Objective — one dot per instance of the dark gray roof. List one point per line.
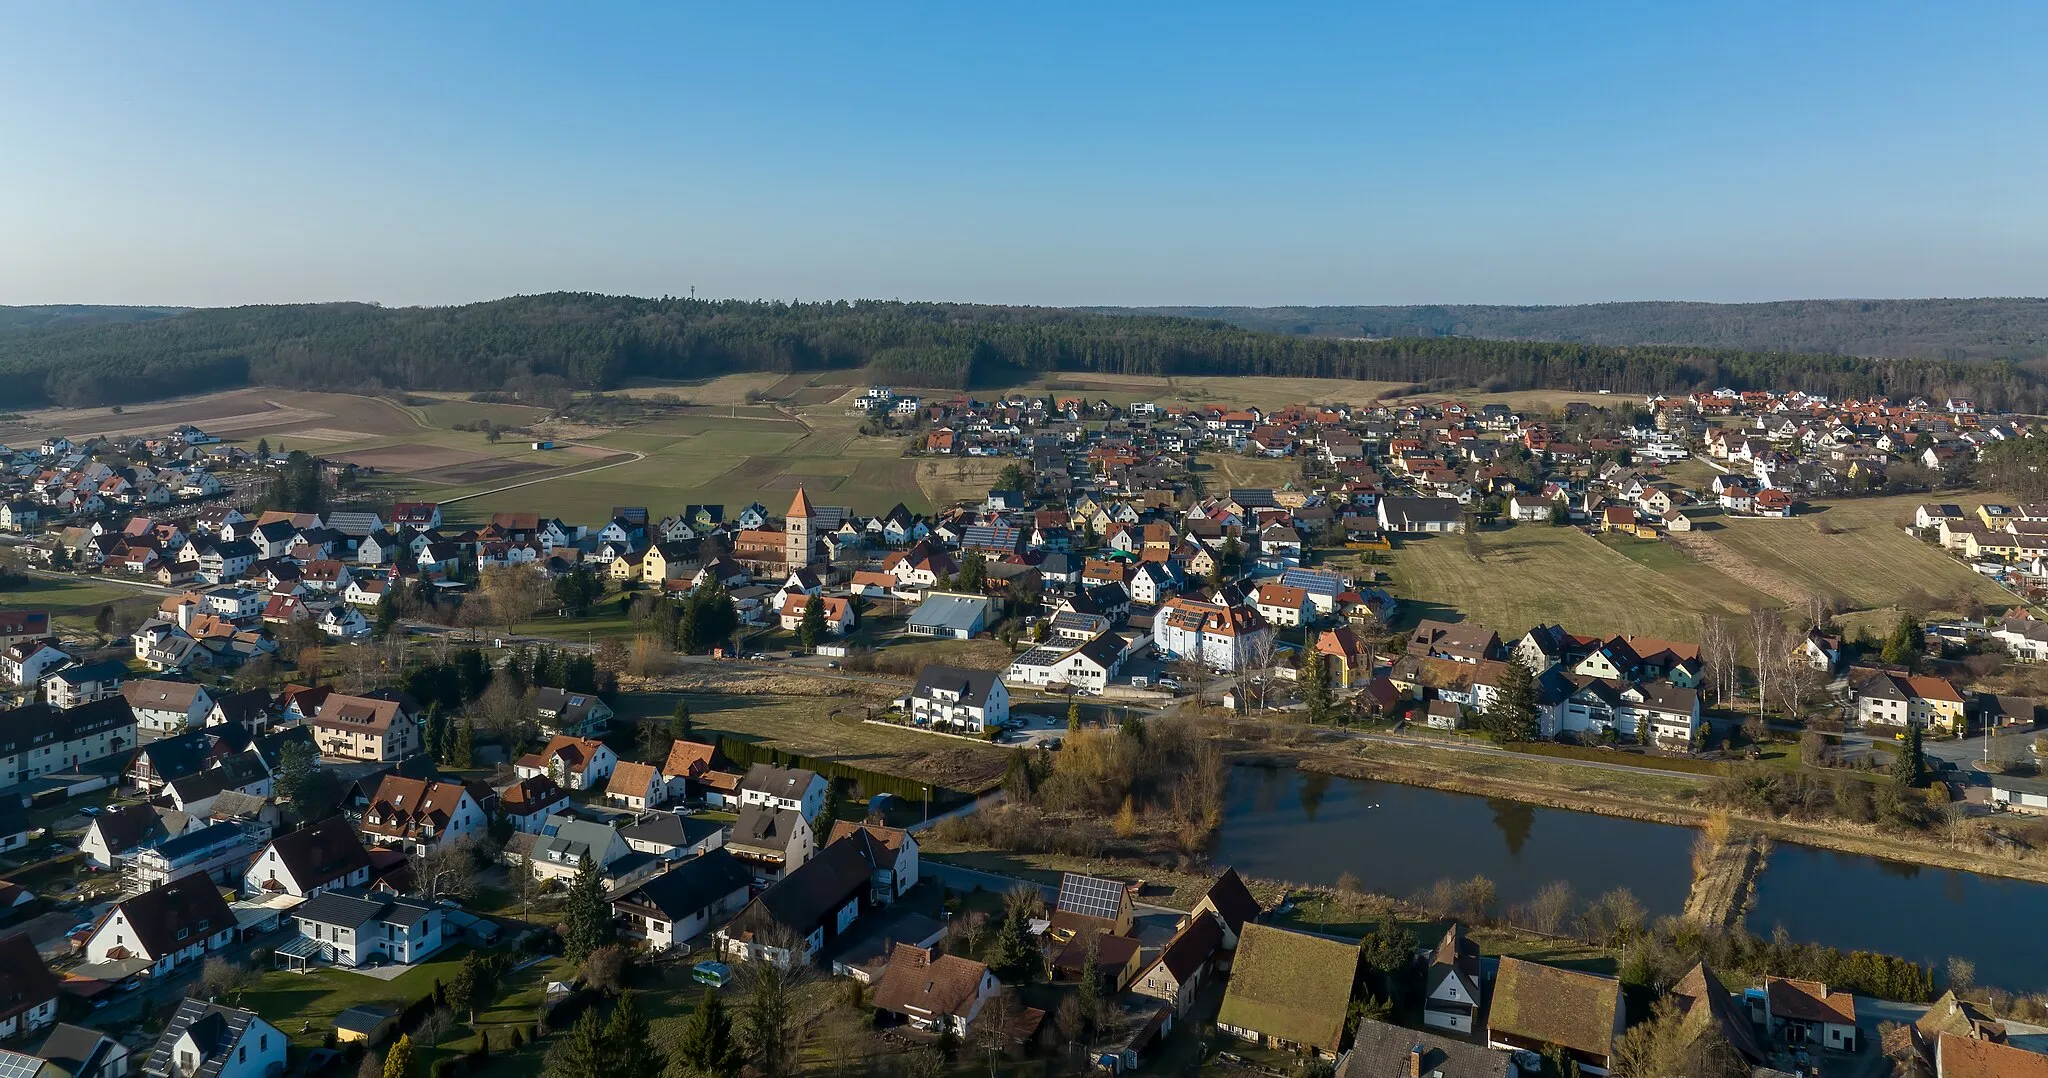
(1381, 1050)
(803, 899)
(765, 826)
(76, 1049)
(129, 826)
(198, 838)
(362, 1018)
(670, 829)
(35, 724)
(214, 1028)
(692, 886)
(778, 781)
(972, 685)
(330, 908)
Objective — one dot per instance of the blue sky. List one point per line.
(1182, 153)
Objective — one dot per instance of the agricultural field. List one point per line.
(815, 727)
(236, 415)
(1534, 573)
(1855, 551)
(1223, 471)
(1851, 551)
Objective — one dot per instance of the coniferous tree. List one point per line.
(709, 1047)
(629, 1048)
(582, 1053)
(1511, 716)
(811, 630)
(1314, 675)
(462, 747)
(588, 918)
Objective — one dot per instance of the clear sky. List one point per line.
(1088, 153)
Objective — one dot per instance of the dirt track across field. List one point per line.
(1709, 551)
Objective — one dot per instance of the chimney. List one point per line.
(1415, 1061)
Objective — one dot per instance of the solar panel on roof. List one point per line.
(17, 1065)
(1090, 896)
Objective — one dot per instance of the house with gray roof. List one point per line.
(207, 1040)
(362, 930)
(772, 840)
(955, 699)
(679, 905)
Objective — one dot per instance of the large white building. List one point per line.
(38, 739)
(1229, 638)
(954, 699)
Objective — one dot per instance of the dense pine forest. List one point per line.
(592, 341)
(2015, 329)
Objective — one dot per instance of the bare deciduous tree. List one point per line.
(1767, 638)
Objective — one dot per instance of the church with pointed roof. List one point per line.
(799, 546)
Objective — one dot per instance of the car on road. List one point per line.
(90, 810)
(833, 665)
(1169, 683)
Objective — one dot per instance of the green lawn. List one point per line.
(72, 602)
(832, 729)
(290, 1001)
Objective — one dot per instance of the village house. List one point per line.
(163, 928)
(166, 707)
(207, 1040)
(574, 763)
(1452, 991)
(635, 786)
(323, 857)
(1289, 991)
(1184, 964)
(38, 739)
(1538, 1008)
(575, 714)
(28, 990)
(567, 843)
(409, 814)
(799, 914)
(933, 991)
(772, 840)
(362, 930)
(1882, 698)
(958, 700)
(25, 663)
(383, 727)
(681, 904)
(1806, 1012)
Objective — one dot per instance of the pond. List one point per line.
(1300, 826)
(1312, 828)
(1926, 914)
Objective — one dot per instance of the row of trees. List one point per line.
(593, 342)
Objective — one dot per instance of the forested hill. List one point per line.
(591, 341)
(68, 315)
(2015, 329)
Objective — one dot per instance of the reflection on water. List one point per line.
(1515, 819)
(1398, 840)
(1313, 786)
(1926, 914)
(1294, 825)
